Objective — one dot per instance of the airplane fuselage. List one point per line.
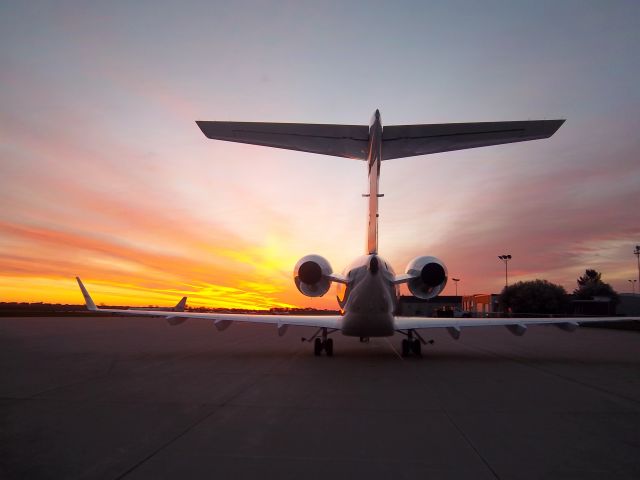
(369, 300)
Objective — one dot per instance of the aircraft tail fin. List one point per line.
(372, 222)
(374, 158)
(180, 305)
(394, 141)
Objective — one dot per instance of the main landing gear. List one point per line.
(321, 342)
(320, 345)
(413, 346)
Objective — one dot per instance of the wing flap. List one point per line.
(350, 141)
(410, 140)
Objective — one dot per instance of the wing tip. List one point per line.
(87, 298)
(201, 126)
(554, 126)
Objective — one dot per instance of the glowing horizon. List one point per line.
(105, 175)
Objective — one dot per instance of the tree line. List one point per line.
(544, 297)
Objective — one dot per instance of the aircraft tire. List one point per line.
(406, 348)
(328, 347)
(417, 347)
(317, 347)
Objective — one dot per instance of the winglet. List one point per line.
(180, 306)
(87, 298)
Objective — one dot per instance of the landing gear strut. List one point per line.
(321, 342)
(412, 345)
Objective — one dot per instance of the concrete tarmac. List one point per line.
(100, 397)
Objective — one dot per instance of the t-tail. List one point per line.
(369, 143)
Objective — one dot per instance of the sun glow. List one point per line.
(104, 173)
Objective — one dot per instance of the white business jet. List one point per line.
(368, 289)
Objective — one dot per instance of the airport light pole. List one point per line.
(456, 280)
(636, 252)
(505, 259)
(633, 286)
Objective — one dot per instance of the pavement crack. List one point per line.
(470, 443)
(393, 349)
(167, 443)
(525, 363)
(66, 385)
(209, 414)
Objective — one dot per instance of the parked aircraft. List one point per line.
(368, 289)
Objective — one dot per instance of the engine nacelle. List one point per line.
(431, 277)
(310, 275)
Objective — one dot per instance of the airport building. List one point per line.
(596, 306)
(488, 304)
(442, 305)
(481, 304)
(478, 305)
(629, 304)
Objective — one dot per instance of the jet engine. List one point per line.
(430, 277)
(311, 275)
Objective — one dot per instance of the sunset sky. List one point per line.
(104, 173)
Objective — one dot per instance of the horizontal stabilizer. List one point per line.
(350, 141)
(409, 140)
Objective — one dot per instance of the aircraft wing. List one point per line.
(410, 140)
(517, 326)
(350, 141)
(221, 320)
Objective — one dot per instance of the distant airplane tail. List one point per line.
(180, 305)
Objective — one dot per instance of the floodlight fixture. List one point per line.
(505, 258)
